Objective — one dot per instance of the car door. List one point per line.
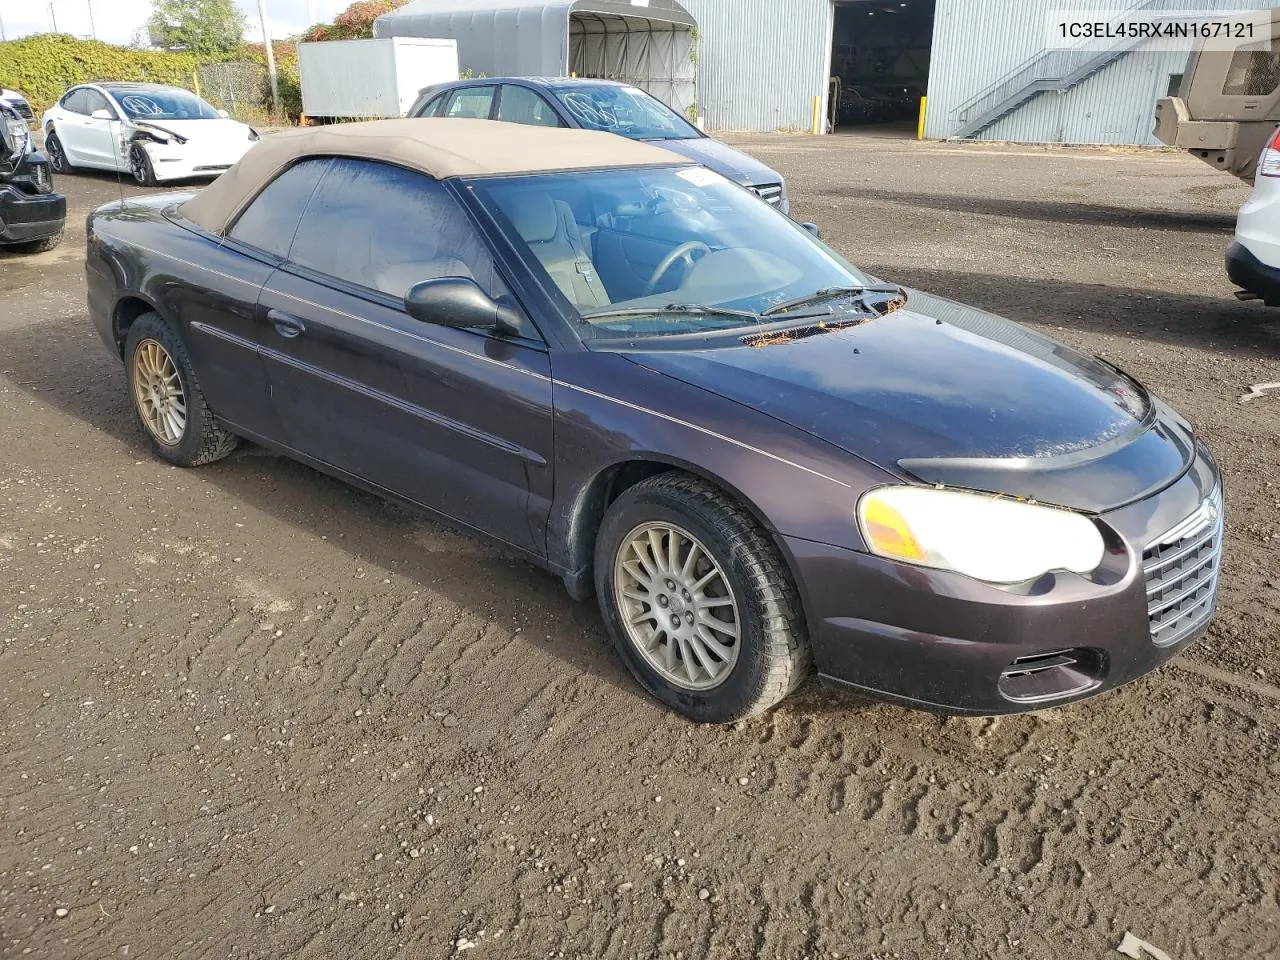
(224, 332)
(98, 137)
(517, 104)
(456, 420)
(73, 127)
(475, 102)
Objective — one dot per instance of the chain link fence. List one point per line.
(235, 87)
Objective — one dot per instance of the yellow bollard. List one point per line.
(195, 75)
(924, 102)
(817, 112)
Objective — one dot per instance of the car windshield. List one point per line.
(626, 111)
(651, 251)
(164, 104)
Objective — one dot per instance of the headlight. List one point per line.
(999, 540)
(19, 136)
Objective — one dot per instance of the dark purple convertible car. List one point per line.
(639, 375)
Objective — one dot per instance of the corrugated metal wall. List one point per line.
(977, 42)
(761, 62)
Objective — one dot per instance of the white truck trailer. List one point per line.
(343, 79)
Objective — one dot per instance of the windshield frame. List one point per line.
(509, 246)
(681, 123)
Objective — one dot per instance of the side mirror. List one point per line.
(101, 115)
(458, 302)
(812, 228)
(223, 114)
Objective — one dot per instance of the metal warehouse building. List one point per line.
(983, 64)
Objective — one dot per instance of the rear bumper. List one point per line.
(25, 217)
(950, 644)
(1249, 273)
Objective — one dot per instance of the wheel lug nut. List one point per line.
(688, 618)
(671, 585)
(675, 619)
(662, 600)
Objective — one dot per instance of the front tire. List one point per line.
(144, 174)
(167, 398)
(43, 245)
(57, 153)
(698, 603)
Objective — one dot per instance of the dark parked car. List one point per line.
(31, 214)
(626, 368)
(604, 105)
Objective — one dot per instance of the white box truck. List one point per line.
(371, 78)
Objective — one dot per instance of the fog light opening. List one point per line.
(1051, 675)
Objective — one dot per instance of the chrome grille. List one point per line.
(1181, 570)
(768, 192)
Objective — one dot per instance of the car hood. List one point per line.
(948, 394)
(724, 160)
(219, 131)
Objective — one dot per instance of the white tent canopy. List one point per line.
(648, 43)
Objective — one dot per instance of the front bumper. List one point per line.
(189, 161)
(26, 216)
(951, 644)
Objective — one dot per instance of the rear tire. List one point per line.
(43, 245)
(158, 366)
(752, 595)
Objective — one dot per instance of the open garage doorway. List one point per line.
(879, 65)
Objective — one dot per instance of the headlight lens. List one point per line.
(19, 136)
(996, 539)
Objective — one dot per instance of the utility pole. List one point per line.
(3, 38)
(92, 29)
(271, 57)
(53, 17)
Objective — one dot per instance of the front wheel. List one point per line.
(698, 603)
(140, 166)
(43, 245)
(57, 154)
(167, 398)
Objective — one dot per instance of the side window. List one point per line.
(93, 100)
(387, 229)
(75, 101)
(522, 105)
(271, 220)
(473, 102)
(432, 109)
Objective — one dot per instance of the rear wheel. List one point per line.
(167, 398)
(698, 603)
(57, 155)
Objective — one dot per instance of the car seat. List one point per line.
(548, 226)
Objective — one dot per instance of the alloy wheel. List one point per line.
(158, 393)
(677, 606)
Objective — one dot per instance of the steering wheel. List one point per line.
(683, 252)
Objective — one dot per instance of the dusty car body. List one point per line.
(763, 454)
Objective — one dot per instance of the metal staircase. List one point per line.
(1049, 70)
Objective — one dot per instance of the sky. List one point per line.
(116, 20)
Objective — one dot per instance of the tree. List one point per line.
(197, 26)
(353, 23)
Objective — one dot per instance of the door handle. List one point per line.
(286, 324)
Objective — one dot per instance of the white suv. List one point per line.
(1253, 259)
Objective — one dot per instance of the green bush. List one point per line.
(43, 66)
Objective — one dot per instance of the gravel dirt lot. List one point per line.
(249, 712)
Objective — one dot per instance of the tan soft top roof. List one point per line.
(440, 147)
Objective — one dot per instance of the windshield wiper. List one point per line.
(830, 293)
(673, 310)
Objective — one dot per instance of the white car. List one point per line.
(152, 132)
(1253, 259)
(18, 102)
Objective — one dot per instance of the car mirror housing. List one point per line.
(812, 228)
(223, 114)
(101, 115)
(457, 302)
